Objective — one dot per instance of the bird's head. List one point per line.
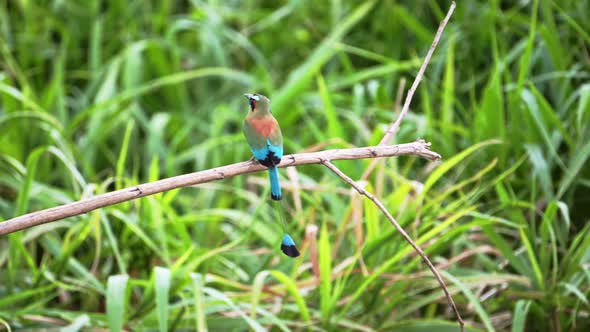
(258, 102)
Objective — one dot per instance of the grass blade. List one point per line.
(481, 312)
(302, 76)
(117, 297)
(198, 286)
(292, 289)
(325, 258)
(520, 313)
(162, 282)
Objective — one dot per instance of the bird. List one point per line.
(265, 139)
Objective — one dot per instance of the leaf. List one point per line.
(220, 296)
(576, 291)
(325, 258)
(299, 78)
(162, 287)
(117, 297)
(77, 325)
(450, 164)
(520, 312)
(334, 125)
(448, 97)
(292, 289)
(481, 312)
(257, 291)
(574, 167)
(540, 281)
(123, 154)
(199, 298)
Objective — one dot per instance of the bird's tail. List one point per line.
(275, 185)
(287, 244)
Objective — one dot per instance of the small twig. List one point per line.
(390, 133)
(419, 148)
(405, 235)
(399, 95)
(395, 127)
(396, 105)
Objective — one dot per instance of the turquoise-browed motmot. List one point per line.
(264, 136)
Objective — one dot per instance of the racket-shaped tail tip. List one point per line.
(288, 246)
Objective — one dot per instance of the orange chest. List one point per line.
(264, 126)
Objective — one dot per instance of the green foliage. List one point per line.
(99, 95)
(117, 297)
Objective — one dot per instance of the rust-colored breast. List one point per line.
(264, 126)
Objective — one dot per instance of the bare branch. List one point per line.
(395, 127)
(396, 105)
(419, 148)
(405, 235)
(391, 132)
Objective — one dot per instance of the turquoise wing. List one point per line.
(275, 142)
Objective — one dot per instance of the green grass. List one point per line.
(100, 95)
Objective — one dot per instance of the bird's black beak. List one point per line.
(251, 100)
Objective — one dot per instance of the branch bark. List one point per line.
(391, 132)
(418, 148)
(405, 235)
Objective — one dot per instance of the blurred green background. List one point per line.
(97, 95)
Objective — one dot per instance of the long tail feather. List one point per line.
(275, 185)
(287, 244)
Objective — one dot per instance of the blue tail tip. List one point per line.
(288, 246)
